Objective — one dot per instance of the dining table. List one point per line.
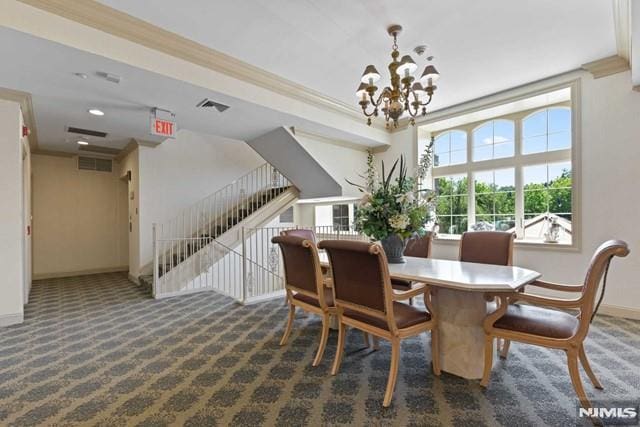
(459, 295)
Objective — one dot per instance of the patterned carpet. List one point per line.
(96, 350)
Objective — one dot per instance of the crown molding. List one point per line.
(607, 66)
(24, 99)
(53, 153)
(106, 19)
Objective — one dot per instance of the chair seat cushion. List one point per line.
(328, 297)
(539, 321)
(406, 315)
(401, 284)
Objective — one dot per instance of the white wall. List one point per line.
(11, 215)
(180, 172)
(610, 207)
(340, 162)
(79, 218)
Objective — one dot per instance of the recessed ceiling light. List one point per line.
(96, 112)
(83, 143)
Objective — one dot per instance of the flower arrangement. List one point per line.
(394, 207)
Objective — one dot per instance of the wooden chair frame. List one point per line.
(394, 335)
(324, 311)
(572, 346)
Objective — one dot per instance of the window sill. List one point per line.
(524, 244)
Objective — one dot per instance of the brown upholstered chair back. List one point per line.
(301, 263)
(419, 246)
(597, 269)
(360, 273)
(300, 232)
(487, 247)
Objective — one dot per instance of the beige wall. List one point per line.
(130, 164)
(11, 215)
(79, 218)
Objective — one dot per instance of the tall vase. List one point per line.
(393, 246)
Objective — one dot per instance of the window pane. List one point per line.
(502, 150)
(458, 140)
(547, 130)
(535, 144)
(458, 157)
(450, 148)
(493, 140)
(559, 141)
(535, 124)
(495, 199)
(547, 197)
(451, 203)
(559, 119)
(484, 152)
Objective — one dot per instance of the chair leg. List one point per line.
(505, 348)
(435, 351)
(339, 347)
(410, 301)
(287, 331)
(574, 373)
(393, 372)
(323, 339)
(365, 335)
(376, 343)
(587, 368)
(488, 360)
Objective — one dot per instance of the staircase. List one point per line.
(195, 250)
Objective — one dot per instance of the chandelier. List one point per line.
(404, 94)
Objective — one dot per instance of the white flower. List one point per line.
(405, 198)
(399, 221)
(366, 199)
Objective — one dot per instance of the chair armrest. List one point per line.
(417, 289)
(557, 286)
(546, 301)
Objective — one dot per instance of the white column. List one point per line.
(11, 216)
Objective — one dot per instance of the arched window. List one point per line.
(547, 130)
(493, 140)
(450, 148)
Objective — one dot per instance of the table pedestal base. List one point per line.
(460, 316)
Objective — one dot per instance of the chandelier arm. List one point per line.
(428, 101)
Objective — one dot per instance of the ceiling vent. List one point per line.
(89, 132)
(207, 103)
(113, 78)
(95, 164)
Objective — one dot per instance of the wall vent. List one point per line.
(207, 103)
(95, 164)
(287, 216)
(89, 132)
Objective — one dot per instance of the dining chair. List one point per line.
(488, 247)
(306, 234)
(419, 247)
(304, 285)
(541, 321)
(365, 300)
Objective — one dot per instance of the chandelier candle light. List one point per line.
(404, 94)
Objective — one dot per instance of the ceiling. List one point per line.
(480, 47)
(60, 99)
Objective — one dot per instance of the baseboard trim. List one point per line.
(133, 279)
(42, 276)
(11, 319)
(620, 311)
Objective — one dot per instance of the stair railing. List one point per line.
(219, 211)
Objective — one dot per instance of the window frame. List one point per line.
(519, 160)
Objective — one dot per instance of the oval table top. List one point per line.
(464, 276)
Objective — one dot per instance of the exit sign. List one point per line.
(161, 127)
